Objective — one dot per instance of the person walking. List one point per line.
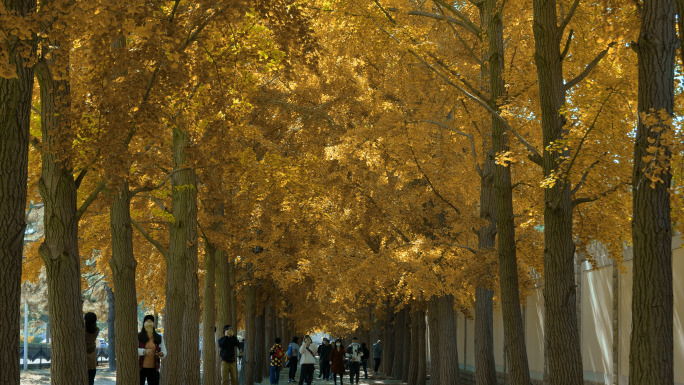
(308, 361)
(355, 355)
(151, 349)
(277, 354)
(227, 345)
(377, 354)
(337, 361)
(91, 332)
(292, 359)
(364, 359)
(324, 357)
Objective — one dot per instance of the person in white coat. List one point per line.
(308, 360)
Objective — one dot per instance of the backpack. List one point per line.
(278, 353)
(289, 351)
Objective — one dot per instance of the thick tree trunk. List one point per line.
(268, 339)
(250, 327)
(123, 265)
(209, 320)
(260, 326)
(59, 250)
(111, 329)
(398, 361)
(232, 293)
(434, 324)
(191, 321)
(508, 266)
(485, 366)
(651, 346)
(183, 230)
(15, 120)
(448, 354)
(564, 355)
(389, 339)
(222, 298)
(406, 360)
(421, 355)
(414, 342)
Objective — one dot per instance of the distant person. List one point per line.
(377, 354)
(292, 359)
(308, 361)
(91, 332)
(355, 355)
(337, 361)
(227, 345)
(151, 349)
(277, 354)
(364, 359)
(241, 350)
(324, 357)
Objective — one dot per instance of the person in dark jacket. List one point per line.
(151, 349)
(292, 359)
(337, 361)
(364, 359)
(324, 358)
(377, 355)
(227, 344)
(277, 354)
(91, 332)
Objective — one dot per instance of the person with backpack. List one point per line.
(308, 360)
(364, 359)
(337, 361)
(292, 359)
(324, 357)
(355, 355)
(277, 354)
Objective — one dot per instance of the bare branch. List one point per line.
(567, 45)
(442, 17)
(584, 178)
(578, 201)
(384, 11)
(149, 238)
(477, 30)
(588, 68)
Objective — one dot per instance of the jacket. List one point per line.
(293, 350)
(228, 345)
(276, 361)
(355, 353)
(337, 359)
(377, 351)
(159, 347)
(307, 355)
(91, 348)
(324, 352)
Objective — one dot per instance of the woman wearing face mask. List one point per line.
(337, 360)
(151, 349)
(91, 332)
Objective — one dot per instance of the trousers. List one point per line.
(229, 369)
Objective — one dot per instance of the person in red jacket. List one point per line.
(151, 349)
(337, 360)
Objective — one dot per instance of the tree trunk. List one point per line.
(413, 359)
(508, 266)
(232, 295)
(399, 329)
(123, 265)
(389, 342)
(184, 205)
(111, 330)
(564, 355)
(248, 358)
(259, 341)
(59, 249)
(268, 339)
(434, 325)
(15, 120)
(209, 320)
(485, 366)
(448, 354)
(421, 357)
(406, 360)
(191, 321)
(222, 298)
(651, 345)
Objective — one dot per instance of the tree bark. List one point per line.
(485, 366)
(564, 355)
(508, 266)
(15, 121)
(448, 353)
(209, 320)
(399, 330)
(111, 330)
(422, 344)
(123, 265)
(406, 359)
(651, 356)
(191, 321)
(59, 249)
(268, 339)
(259, 341)
(389, 342)
(222, 298)
(248, 358)
(434, 325)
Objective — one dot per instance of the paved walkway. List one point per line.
(103, 377)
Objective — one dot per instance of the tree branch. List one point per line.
(153, 241)
(469, 136)
(567, 45)
(578, 201)
(474, 28)
(442, 17)
(583, 179)
(588, 68)
(568, 17)
(91, 198)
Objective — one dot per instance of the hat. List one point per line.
(148, 317)
(226, 327)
